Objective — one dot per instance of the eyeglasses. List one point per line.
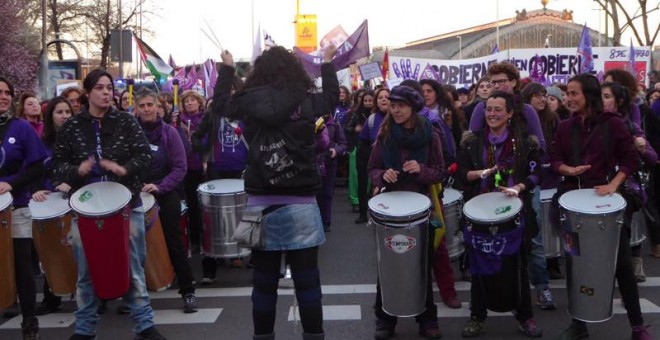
(499, 81)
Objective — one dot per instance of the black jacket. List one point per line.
(280, 130)
(122, 141)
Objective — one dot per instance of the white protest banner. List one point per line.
(370, 71)
(558, 65)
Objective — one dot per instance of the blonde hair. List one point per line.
(195, 95)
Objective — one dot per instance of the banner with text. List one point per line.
(556, 65)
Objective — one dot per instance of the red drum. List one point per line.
(184, 229)
(7, 274)
(51, 227)
(158, 269)
(104, 225)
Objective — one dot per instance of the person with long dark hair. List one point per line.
(280, 109)
(102, 143)
(407, 156)
(59, 110)
(23, 156)
(595, 167)
(493, 160)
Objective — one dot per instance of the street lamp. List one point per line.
(460, 47)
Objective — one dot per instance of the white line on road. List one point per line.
(337, 312)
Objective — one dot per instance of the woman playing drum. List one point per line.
(281, 180)
(168, 168)
(579, 152)
(58, 111)
(21, 165)
(407, 156)
(501, 158)
(103, 144)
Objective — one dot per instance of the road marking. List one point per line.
(647, 306)
(177, 316)
(336, 312)
(53, 320)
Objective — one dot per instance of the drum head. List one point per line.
(450, 196)
(5, 201)
(399, 204)
(221, 187)
(587, 201)
(148, 201)
(100, 199)
(55, 205)
(547, 194)
(492, 207)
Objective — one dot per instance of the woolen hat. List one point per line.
(407, 95)
(555, 92)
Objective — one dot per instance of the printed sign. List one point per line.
(370, 71)
(400, 244)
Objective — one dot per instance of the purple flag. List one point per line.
(354, 48)
(584, 50)
(180, 75)
(631, 60)
(191, 79)
(496, 49)
(214, 73)
(171, 62)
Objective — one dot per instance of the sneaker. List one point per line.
(30, 328)
(431, 333)
(576, 331)
(207, 281)
(452, 303)
(641, 333)
(77, 336)
(544, 300)
(530, 329)
(123, 309)
(189, 303)
(150, 333)
(361, 219)
(473, 328)
(384, 330)
(47, 308)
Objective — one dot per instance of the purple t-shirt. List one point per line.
(20, 147)
(477, 121)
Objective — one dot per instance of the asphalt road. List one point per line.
(348, 276)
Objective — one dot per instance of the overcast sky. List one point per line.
(179, 23)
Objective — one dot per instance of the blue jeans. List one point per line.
(136, 298)
(538, 272)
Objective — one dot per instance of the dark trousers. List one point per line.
(305, 275)
(512, 266)
(25, 282)
(190, 183)
(324, 197)
(170, 217)
(625, 275)
(429, 318)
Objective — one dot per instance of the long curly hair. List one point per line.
(280, 69)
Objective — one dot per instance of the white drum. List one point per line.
(401, 220)
(492, 208)
(452, 202)
(591, 228)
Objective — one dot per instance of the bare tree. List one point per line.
(636, 15)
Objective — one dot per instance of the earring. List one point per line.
(509, 122)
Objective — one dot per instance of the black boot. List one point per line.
(309, 336)
(30, 326)
(270, 336)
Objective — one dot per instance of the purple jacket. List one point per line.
(621, 150)
(194, 159)
(477, 121)
(337, 138)
(431, 172)
(370, 133)
(168, 163)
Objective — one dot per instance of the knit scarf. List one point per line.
(500, 150)
(416, 142)
(5, 117)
